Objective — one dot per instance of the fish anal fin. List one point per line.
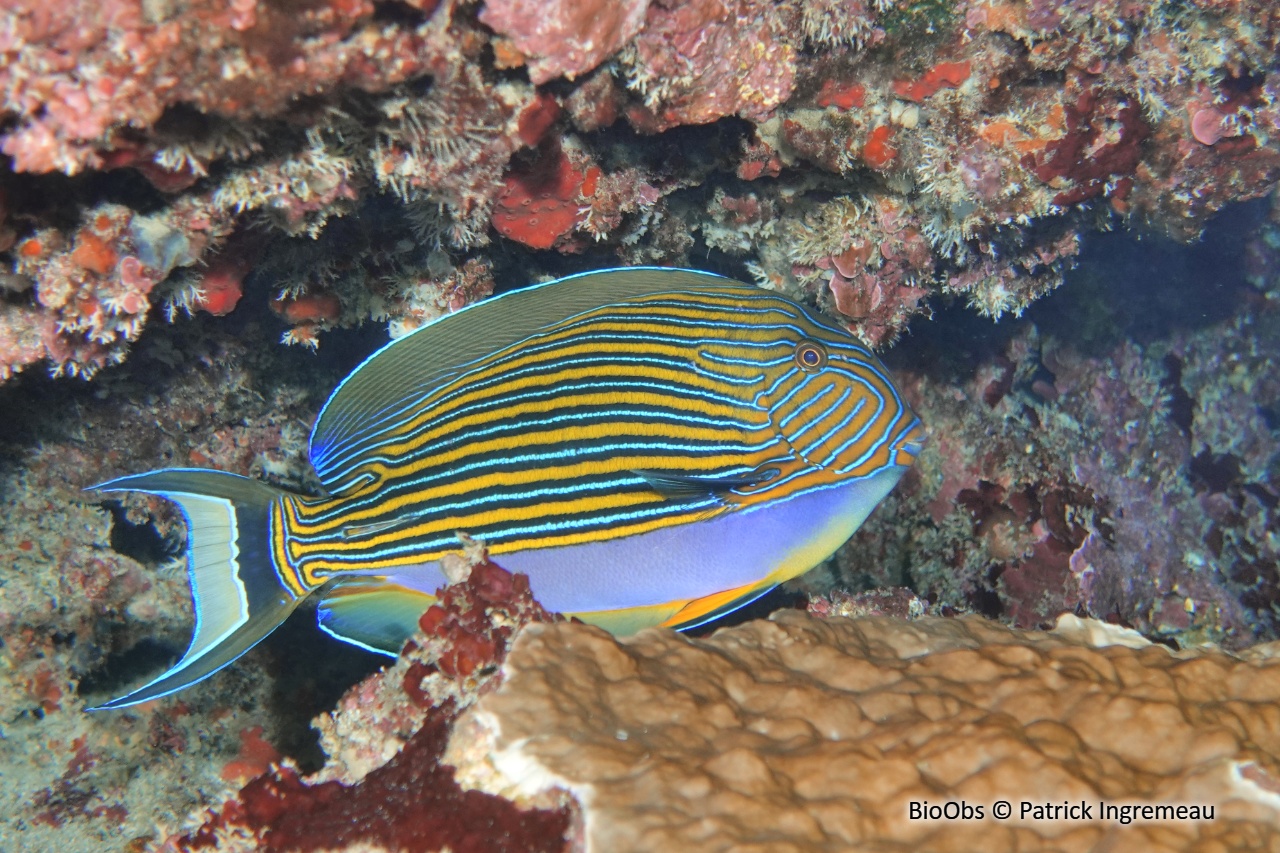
(700, 611)
(627, 621)
(378, 617)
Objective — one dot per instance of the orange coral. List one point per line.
(536, 119)
(93, 253)
(221, 287)
(255, 758)
(309, 308)
(540, 205)
(948, 74)
(877, 152)
(842, 95)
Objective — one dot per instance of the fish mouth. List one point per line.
(909, 445)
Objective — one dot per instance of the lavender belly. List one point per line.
(706, 557)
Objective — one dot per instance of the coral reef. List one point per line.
(1070, 467)
(698, 62)
(804, 734)
(899, 153)
(76, 104)
(95, 595)
(408, 804)
(1135, 482)
(92, 289)
(385, 742)
(565, 38)
(185, 185)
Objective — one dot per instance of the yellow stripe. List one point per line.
(284, 566)
(537, 407)
(698, 608)
(312, 566)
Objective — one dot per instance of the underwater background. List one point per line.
(1057, 223)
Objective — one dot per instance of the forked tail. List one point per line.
(238, 592)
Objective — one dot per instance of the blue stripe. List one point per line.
(813, 422)
(349, 506)
(366, 449)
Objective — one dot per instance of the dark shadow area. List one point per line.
(122, 669)
(1144, 287)
(141, 542)
(310, 671)
(1127, 285)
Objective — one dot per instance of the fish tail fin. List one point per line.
(239, 593)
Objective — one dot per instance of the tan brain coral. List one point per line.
(800, 733)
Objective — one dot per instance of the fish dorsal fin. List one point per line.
(394, 380)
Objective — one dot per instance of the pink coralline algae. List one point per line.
(568, 37)
(75, 97)
(93, 286)
(411, 803)
(701, 61)
(1002, 129)
(871, 281)
(1101, 148)
(1208, 125)
(386, 741)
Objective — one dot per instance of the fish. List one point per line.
(651, 446)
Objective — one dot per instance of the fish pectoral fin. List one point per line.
(700, 611)
(682, 487)
(376, 616)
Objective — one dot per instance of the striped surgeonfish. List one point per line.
(650, 446)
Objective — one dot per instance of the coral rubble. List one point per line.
(804, 734)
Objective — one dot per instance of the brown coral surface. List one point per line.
(803, 734)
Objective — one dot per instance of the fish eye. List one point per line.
(810, 356)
